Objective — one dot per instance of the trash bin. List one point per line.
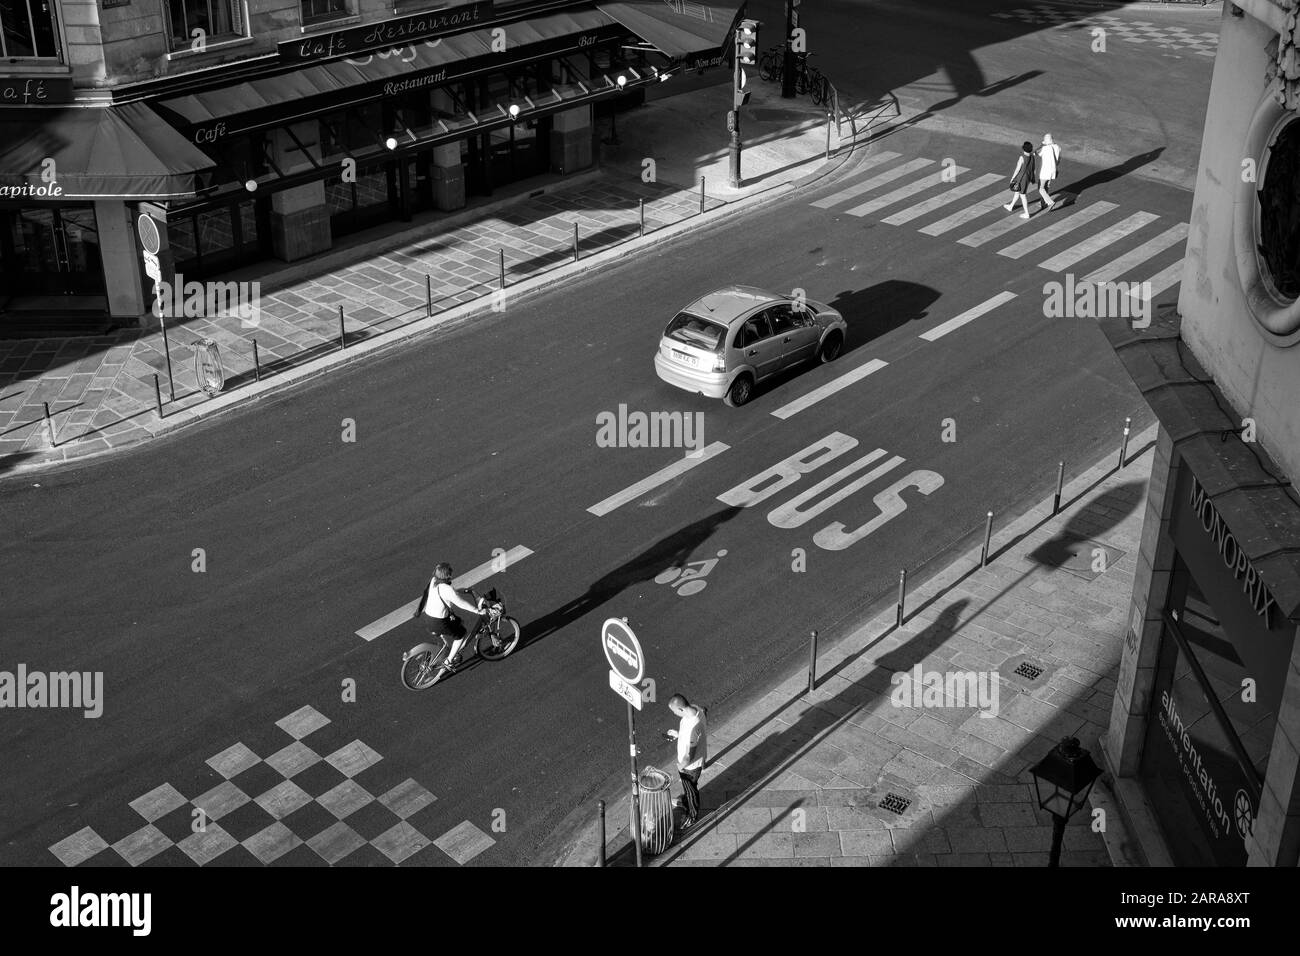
(656, 796)
(209, 374)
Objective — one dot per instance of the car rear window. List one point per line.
(697, 331)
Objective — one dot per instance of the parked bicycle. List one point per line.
(807, 79)
(496, 636)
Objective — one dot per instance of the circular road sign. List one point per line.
(622, 650)
(148, 230)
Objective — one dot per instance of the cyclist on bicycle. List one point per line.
(440, 598)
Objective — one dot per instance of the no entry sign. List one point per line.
(622, 650)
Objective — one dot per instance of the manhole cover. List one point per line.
(1086, 558)
(1028, 671)
(895, 804)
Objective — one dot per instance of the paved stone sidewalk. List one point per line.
(799, 778)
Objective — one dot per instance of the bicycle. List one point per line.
(802, 72)
(426, 663)
(772, 63)
(819, 86)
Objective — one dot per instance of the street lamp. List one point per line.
(391, 143)
(514, 110)
(1063, 779)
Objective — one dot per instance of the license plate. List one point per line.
(685, 359)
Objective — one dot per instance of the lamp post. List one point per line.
(1063, 779)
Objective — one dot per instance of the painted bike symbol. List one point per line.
(688, 580)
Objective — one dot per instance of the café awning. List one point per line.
(122, 152)
(677, 29)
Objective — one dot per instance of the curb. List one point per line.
(421, 328)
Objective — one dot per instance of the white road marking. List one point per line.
(662, 476)
(1057, 229)
(1161, 281)
(903, 192)
(857, 189)
(1010, 220)
(950, 195)
(869, 162)
(467, 580)
(939, 331)
(1095, 244)
(1135, 257)
(963, 216)
(830, 388)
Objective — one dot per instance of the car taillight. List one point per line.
(719, 363)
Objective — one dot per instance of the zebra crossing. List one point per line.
(912, 192)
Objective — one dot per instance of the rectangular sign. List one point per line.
(400, 31)
(627, 691)
(35, 90)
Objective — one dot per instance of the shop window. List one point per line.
(218, 19)
(1279, 213)
(27, 29)
(318, 11)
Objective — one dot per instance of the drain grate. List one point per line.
(1028, 671)
(895, 804)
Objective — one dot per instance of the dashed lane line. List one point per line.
(660, 477)
(830, 388)
(970, 315)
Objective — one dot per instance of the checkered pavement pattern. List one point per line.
(1157, 36)
(298, 806)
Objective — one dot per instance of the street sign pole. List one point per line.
(636, 789)
(735, 128)
(787, 55)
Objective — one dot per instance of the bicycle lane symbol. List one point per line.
(689, 579)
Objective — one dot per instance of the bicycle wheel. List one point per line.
(506, 634)
(821, 90)
(801, 79)
(765, 66)
(424, 669)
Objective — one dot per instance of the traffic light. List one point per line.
(740, 95)
(747, 41)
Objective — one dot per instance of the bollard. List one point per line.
(902, 596)
(988, 535)
(157, 392)
(812, 662)
(257, 363)
(49, 424)
(342, 335)
(1060, 484)
(575, 241)
(641, 204)
(601, 857)
(701, 195)
(428, 294)
(503, 268)
(828, 134)
(167, 350)
(1123, 448)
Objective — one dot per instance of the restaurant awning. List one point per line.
(679, 29)
(122, 152)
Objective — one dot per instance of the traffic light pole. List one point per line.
(636, 786)
(735, 117)
(787, 66)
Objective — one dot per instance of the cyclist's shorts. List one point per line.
(450, 626)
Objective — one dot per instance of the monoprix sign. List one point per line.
(622, 650)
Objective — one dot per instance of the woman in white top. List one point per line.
(439, 599)
(1049, 155)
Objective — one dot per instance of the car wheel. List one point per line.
(831, 347)
(742, 389)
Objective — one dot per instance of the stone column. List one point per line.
(119, 251)
(571, 140)
(300, 220)
(1275, 838)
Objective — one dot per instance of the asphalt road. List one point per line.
(484, 438)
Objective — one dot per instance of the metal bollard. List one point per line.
(641, 204)
(343, 342)
(600, 860)
(49, 424)
(157, 392)
(1060, 484)
(988, 535)
(828, 134)
(167, 350)
(428, 294)
(257, 363)
(812, 662)
(1123, 448)
(701, 195)
(575, 241)
(902, 596)
(503, 268)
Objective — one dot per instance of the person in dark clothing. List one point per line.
(1023, 179)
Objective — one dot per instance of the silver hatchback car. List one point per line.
(726, 342)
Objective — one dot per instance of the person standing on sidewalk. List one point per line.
(1049, 158)
(692, 751)
(1022, 179)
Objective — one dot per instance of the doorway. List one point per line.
(51, 256)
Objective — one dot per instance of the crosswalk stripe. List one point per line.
(470, 578)
(662, 476)
(1162, 280)
(1135, 257)
(902, 192)
(1010, 220)
(1094, 244)
(871, 161)
(830, 388)
(970, 315)
(963, 216)
(888, 176)
(1057, 229)
(950, 195)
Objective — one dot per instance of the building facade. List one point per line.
(1204, 738)
(251, 131)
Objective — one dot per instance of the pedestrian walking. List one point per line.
(1049, 165)
(692, 752)
(1022, 179)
